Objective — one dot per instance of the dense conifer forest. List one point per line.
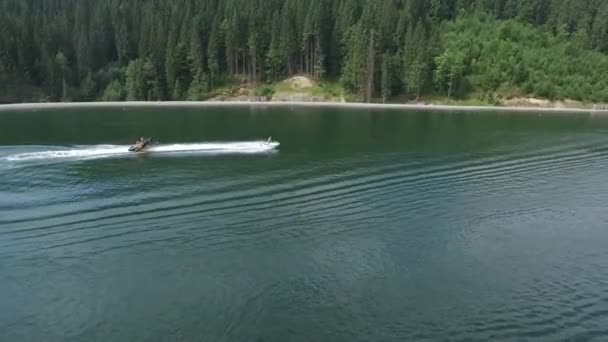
(85, 50)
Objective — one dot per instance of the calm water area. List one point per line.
(363, 225)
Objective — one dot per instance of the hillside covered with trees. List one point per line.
(84, 50)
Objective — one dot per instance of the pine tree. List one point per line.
(199, 87)
(82, 49)
(254, 42)
(82, 53)
(230, 28)
(599, 29)
(450, 68)
(88, 88)
(416, 62)
(178, 90)
(353, 73)
(196, 54)
(81, 39)
(113, 92)
(274, 58)
(213, 54)
(387, 77)
(61, 67)
(134, 81)
(121, 38)
(151, 90)
(288, 39)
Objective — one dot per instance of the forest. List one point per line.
(377, 50)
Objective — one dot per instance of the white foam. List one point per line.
(230, 147)
(105, 151)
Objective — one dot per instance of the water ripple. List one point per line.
(398, 242)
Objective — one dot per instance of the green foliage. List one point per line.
(492, 53)
(199, 87)
(156, 50)
(140, 80)
(114, 92)
(328, 90)
(264, 91)
(213, 59)
(179, 90)
(88, 88)
(354, 62)
(450, 66)
(135, 83)
(288, 40)
(416, 60)
(274, 57)
(389, 71)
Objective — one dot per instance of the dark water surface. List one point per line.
(365, 225)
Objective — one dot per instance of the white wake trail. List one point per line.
(106, 151)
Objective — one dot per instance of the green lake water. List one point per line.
(364, 225)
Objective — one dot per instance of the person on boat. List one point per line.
(138, 145)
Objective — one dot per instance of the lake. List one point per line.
(364, 225)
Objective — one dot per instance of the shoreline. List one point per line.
(355, 105)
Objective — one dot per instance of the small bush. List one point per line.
(264, 91)
(328, 90)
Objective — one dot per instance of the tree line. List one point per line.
(182, 49)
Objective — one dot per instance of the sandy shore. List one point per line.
(427, 107)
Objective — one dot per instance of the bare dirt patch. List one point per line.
(299, 82)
